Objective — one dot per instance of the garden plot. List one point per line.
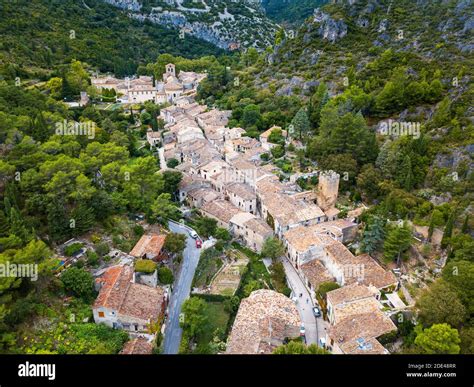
(227, 279)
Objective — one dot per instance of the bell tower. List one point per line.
(328, 189)
(170, 70)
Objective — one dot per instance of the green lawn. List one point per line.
(217, 317)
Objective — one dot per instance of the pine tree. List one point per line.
(58, 224)
(17, 225)
(301, 123)
(84, 219)
(398, 240)
(373, 236)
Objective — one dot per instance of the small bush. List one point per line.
(102, 249)
(172, 163)
(145, 266)
(72, 249)
(165, 275)
(92, 258)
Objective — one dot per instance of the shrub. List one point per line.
(95, 238)
(102, 248)
(79, 282)
(145, 266)
(138, 230)
(72, 249)
(165, 275)
(92, 258)
(172, 163)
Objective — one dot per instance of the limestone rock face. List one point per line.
(221, 22)
(329, 28)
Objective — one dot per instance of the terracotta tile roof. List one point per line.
(259, 227)
(241, 164)
(112, 282)
(137, 346)
(220, 209)
(242, 190)
(340, 253)
(349, 293)
(354, 307)
(333, 228)
(361, 346)
(119, 293)
(205, 194)
(357, 334)
(189, 182)
(143, 302)
(149, 245)
(303, 238)
(246, 142)
(316, 273)
(288, 210)
(262, 323)
(371, 273)
(241, 218)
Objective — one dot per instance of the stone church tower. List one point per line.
(327, 191)
(170, 71)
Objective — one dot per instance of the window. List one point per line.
(101, 314)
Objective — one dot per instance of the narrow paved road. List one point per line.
(315, 327)
(181, 291)
(161, 155)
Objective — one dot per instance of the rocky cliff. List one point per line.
(228, 24)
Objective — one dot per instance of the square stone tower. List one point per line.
(170, 71)
(328, 189)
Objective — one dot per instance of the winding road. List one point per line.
(181, 290)
(315, 327)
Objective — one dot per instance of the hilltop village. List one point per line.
(224, 179)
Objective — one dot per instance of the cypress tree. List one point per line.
(465, 225)
(431, 228)
(448, 231)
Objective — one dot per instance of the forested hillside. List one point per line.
(291, 12)
(38, 35)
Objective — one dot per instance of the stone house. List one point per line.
(149, 246)
(242, 196)
(264, 321)
(251, 230)
(124, 304)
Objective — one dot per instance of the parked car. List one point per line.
(316, 311)
(193, 234)
(198, 243)
(302, 330)
(322, 342)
